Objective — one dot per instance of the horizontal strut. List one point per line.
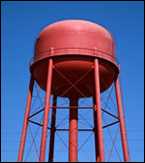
(64, 129)
(83, 107)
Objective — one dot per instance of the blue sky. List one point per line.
(21, 24)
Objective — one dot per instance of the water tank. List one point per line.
(73, 45)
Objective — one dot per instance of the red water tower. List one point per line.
(78, 58)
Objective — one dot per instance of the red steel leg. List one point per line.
(25, 123)
(98, 112)
(46, 111)
(122, 121)
(73, 132)
(96, 137)
(52, 131)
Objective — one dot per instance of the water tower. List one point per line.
(77, 57)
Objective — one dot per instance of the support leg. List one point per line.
(25, 123)
(98, 111)
(46, 111)
(52, 131)
(122, 121)
(96, 137)
(73, 131)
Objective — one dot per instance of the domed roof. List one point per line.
(74, 37)
(76, 25)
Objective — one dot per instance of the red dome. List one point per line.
(74, 37)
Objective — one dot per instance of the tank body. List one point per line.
(73, 45)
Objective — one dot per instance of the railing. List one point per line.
(92, 51)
